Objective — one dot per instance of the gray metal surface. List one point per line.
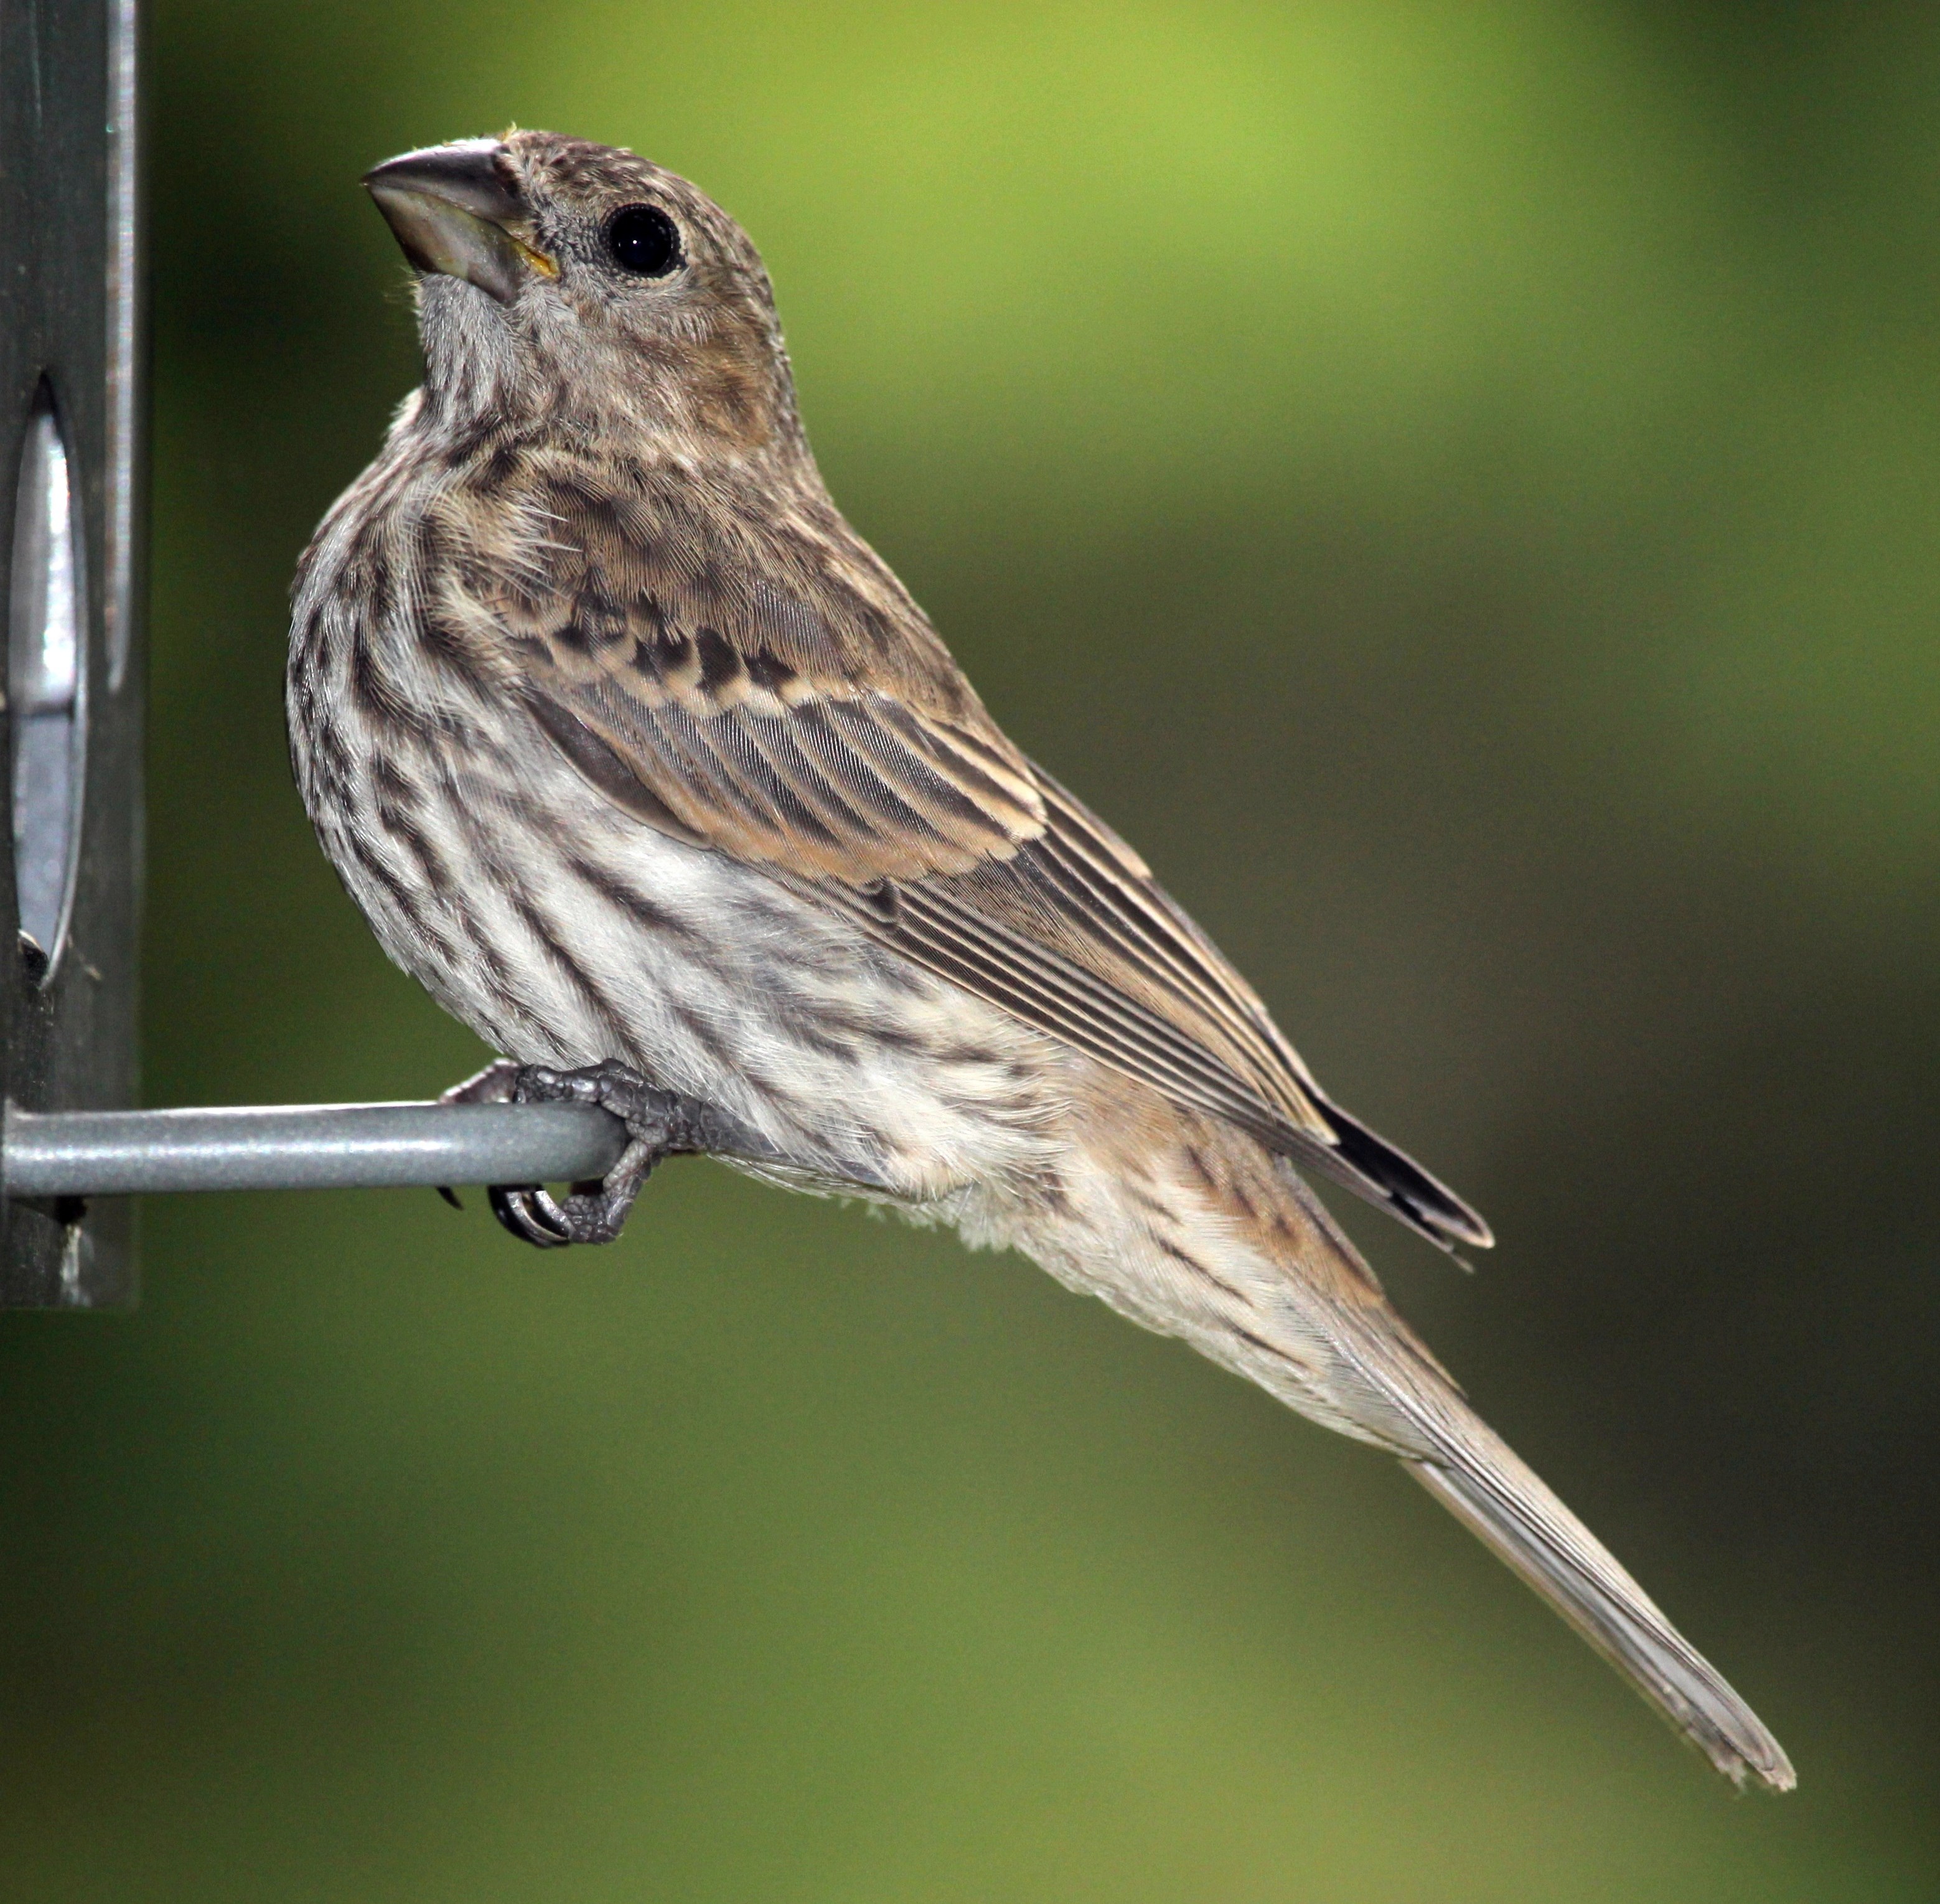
(72, 411)
(306, 1147)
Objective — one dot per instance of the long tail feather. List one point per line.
(1487, 1486)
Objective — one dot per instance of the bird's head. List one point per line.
(581, 285)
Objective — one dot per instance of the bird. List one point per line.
(634, 753)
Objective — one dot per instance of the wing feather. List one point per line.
(793, 709)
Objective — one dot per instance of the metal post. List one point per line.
(71, 522)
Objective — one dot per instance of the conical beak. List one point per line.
(457, 210)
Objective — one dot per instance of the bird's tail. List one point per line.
(1246, 1264)
(1481, 1480)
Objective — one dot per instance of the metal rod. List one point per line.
(304, 1147)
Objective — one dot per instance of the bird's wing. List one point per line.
(796, 712)
(1071, 933)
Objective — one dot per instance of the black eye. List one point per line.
(643, 240)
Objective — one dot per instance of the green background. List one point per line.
(1459, 486)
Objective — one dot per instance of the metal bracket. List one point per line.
(71, 488)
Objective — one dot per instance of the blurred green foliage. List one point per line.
(1458, 484)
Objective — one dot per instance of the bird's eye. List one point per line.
(643, 240)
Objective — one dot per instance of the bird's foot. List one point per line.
(659, 1124)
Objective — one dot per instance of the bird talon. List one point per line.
(497, 1084)
(530, 1215)
(659, 1124)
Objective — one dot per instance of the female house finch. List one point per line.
(633, 752)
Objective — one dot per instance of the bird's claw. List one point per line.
(528, 1212)
(659, 1124)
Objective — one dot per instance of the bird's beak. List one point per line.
(457, 209)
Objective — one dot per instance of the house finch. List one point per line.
(633, 752)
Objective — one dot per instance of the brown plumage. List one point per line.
(635, 752)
